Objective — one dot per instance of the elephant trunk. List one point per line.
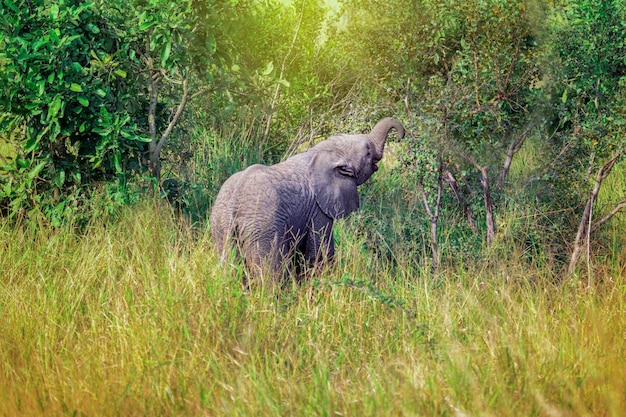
(379, 133)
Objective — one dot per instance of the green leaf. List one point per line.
(11, 6)
(120, 73)
(268, 69)
(76, 88)
(55, 130)
(35, 171)
(116, 161)
(564, 96)
(77, 67)
(165, 53)
(146, 25)
(6, 191)
(60, 178)
(143, 138)
(101, 93)
(211, 45)
(54, 35)
(40, 42)
(93, 28)
(83, 100)
(54, 12)
(53, 108)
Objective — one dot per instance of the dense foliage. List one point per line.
(514, 109)
(65, 85)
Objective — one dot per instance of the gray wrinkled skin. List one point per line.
(270, 214)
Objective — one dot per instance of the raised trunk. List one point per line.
(379, 133)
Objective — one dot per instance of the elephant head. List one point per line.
(343, 162)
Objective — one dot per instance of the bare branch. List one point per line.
(514, 148)
(407, 105)
(608, 217)
(605, 170)
(425, 201)
(199, 93)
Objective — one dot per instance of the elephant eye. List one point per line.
(347, 170)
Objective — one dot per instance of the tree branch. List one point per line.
(513, 149)
(179, 111)
(199, 93)
(608, 217)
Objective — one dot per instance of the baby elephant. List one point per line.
(282, 216)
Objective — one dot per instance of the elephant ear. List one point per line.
(333, 182)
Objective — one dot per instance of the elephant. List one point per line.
(281, 216)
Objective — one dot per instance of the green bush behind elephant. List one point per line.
(274, 214)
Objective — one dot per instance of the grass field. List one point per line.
(136, 318)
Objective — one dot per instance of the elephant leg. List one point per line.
(320, 247)
(268, 259)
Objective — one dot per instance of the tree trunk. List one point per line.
(584, 227)
(156, 142)
(153, 92)
(155, 154)
(466, 208)
(433, 216)
(491, 227)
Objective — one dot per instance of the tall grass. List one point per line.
(137, 318)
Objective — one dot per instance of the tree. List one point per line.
(491, 92)
(64, 81)
(465, 72)
(587, 86)
(173, 49)
(97, 88)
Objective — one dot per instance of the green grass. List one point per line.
(137, 318)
